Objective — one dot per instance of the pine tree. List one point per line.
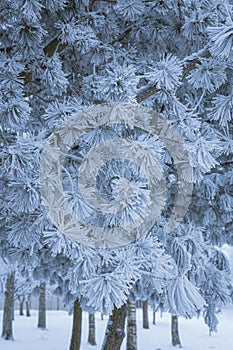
(145, 314)
(42, 306)
(21, 305)
(91, 329)
(175, 331)
(77, 327)
(7, 324)
(58, 58)
(115, 332)
(131, 326)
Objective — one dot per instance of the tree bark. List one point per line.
(115, 331)
(131, 326)
(13, 310)
(21, 307)
(42, 306)
(154, 316)
(175, 331)
(77, 327)
(28, 313)
(7, 330)
(145, 314)
(58, 303)
(91, 333)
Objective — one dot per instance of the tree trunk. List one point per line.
(7, 329)
(13, 310)
(175, 331)
(115, 331)
(77, 327)
(58, 303)
(131, 326)
(91, 335)
(28, 313)
(154, 315)
(145, 314)
(102, 316)
(42, 306)
(21, 307)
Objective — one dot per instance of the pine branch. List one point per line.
(54, 46)
(151, 90)
(122, 36)
(146, 93)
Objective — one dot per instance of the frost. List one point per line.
(166, 73)
(222, 41)
(130, 9)
(61, 59)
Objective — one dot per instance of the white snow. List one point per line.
(193, 333)
(228, 250)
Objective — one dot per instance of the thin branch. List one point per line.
(151, 90)
(146, 93)
(122, 36)
(54, 46)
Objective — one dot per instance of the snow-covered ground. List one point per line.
(193, 333)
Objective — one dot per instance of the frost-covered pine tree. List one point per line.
(60, 57)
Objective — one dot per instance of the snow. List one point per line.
(193, 333)
(228, 250)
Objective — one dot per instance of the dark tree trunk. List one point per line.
(154, 315)
(145, 314)
(115, 331)
(7, 329)
(131, 326)
(42, 306)
(102, 316)
(21, 307)
(28, 313)
(13, 311)
(58, 303)
(91, 333)
(77, 327)
(175, 331)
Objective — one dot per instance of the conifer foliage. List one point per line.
(58, 58)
